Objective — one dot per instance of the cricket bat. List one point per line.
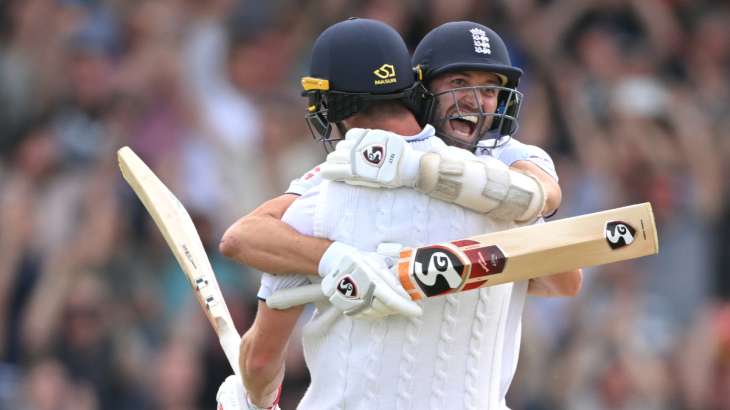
(181, 236)
(516, 254)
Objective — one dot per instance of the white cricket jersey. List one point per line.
(468, 344)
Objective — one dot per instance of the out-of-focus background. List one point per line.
(630, 97)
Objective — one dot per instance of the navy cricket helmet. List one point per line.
(468, 46)
(354, 63)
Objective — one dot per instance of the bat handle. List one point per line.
(286, 298)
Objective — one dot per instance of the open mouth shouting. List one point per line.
(463, 127)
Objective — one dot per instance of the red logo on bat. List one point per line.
(441, 269)
(485, 260)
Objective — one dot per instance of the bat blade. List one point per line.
(529, 252)
(516, 254)
(179, 232)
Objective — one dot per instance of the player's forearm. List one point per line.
(262, 352)
(249, 241)
(560, 284)
(261, 375)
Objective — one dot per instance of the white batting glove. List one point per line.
(232, 396)
(361, 284)
(373, 158)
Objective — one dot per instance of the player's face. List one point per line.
(461, 98)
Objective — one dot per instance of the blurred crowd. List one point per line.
(630, 97)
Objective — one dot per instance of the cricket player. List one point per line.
(468, 343)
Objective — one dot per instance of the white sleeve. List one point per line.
(271, 283)
(299, 216)
(304, 183)
(532, 153)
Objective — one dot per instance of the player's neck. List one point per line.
(399, 124)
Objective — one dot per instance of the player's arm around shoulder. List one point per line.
(560, 284)
(553, 193)
(282, 249)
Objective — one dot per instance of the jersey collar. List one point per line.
(426, 133)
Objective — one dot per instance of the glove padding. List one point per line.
(361, 284)
(373, 158)
(232, 396)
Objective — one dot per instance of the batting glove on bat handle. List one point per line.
(361, 284)
(301, 295)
